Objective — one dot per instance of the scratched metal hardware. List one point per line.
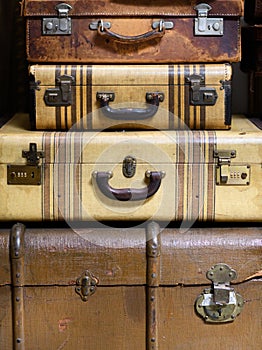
(230, 174)
(205, 25)
(29, 174)
(158, 24)
(61, 95)
(201, 95)
(220, 303)
(86, 285)
(129, 166)
(60, 25)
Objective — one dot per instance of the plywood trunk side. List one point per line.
(5, 272)
(187, 254)
(181, 329)
(6, 329)
(113, 318)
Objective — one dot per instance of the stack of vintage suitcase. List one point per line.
(252, 54)
(137, 195)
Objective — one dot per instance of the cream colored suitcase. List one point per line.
(131, 96)
(136, 175)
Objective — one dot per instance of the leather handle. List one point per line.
(136, 39)
(152, 98)
(128, 194)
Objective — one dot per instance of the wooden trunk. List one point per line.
(170, 175)
(124, 32)
(129, 288)
(131, 96)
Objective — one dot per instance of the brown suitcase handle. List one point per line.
(128, 194)
(125, 39)
(152, 98)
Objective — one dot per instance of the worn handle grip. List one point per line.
(126, 39)
(128, 194)
(152, 98)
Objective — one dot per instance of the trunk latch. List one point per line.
(61, 95)
(200, 95)
(29, 174)
(60, 25)
(205, 25)
(220, 303)
(230, 174)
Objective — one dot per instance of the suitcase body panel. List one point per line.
(178, 109)
(129, 20)
(192, 188)
(120, 309)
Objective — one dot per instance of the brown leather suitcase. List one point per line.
(253, 11)
(130, 288)
(119, 176)
(131, 96)
(130, 32)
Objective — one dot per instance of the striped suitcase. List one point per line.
(135, 176)
(131, 96)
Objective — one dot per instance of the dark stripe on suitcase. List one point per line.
(89, 121)
(73, 92)
(171, 105)
(186, 97)
(203, 108)
(58, 109)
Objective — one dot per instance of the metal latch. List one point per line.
(205, 25)
(220, 303)
(86, 285)
(29, 174)
(158, 24)
(230, 174)
(200, 95)
(61, 25)
(61, 95)
(129, 166)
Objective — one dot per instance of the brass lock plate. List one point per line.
(23, 175)
(220, 303)
(235, 175)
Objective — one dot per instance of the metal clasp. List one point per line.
(200, 95)
(29, 174)
(207, 26)
(220, 303)
(62, 94)
(86, 285)
(129, 166)
(61, 25)
(230, 174)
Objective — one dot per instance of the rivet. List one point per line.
(152, 298)
(153, 275)
(153, 340)
(18, 340)
(17, 275)
(17, 299)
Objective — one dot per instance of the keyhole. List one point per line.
(32, 175)
(219, 312)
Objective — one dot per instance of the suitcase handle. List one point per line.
(152, 98)
(157, 32)
(128, 194)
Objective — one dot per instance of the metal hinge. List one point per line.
(29, 174)
(62, 94)
(205, 25)
(61, 25)
(230, 174)
(200, 95)
(220, 303)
